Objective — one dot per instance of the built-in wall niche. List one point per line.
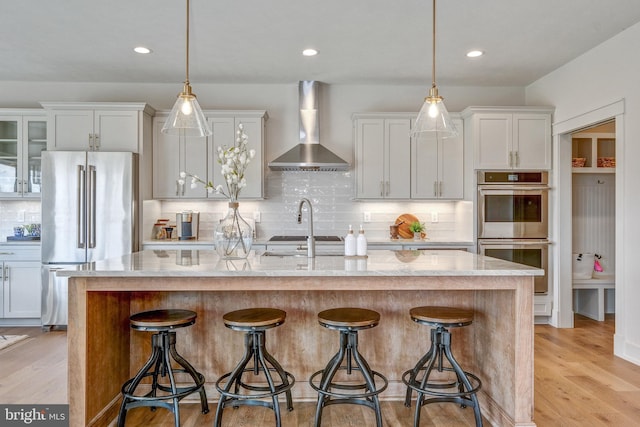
(594, 149)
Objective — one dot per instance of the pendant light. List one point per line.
(186, 117)
(433, 116)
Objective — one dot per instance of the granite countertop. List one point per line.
(206, 263)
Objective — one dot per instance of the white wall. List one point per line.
(604, 75)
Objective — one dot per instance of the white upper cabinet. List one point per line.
(510, 138)
(23, 134)
(198, 156)
(173, 154)
(96, 126)
(223, 127)
(383, 155)
(437, 166)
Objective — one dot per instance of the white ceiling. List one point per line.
(259, 41)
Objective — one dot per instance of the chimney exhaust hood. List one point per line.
(309, 154)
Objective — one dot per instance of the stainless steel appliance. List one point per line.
(531, 252)
(89, 207)
(513, 205)
(513, 219)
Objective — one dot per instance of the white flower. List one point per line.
(181, 181)
(233, 161)
(183, 174)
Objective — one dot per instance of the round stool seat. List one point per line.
(441, 316)
(158, 320)
(252, 318)
(348, 318)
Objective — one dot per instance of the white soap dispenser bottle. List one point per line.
(350, 243)
(361, 243)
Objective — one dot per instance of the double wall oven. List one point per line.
(513, 219)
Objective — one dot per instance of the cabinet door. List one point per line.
(398, 153)
(253, 127)
(173, 154)
(493, 135)
(116, 131)
(424, 167)
(166, 163)
(34, 143)
(532, 141)
(70, 130)
(10, 147)
(223, 135)
(451, 166)
(370, 158)
(193, 158)
(22, 289)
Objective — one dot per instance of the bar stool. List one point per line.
(163, 343)
(348, 321)
(463, 389)
(254, 322)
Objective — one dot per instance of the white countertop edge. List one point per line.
(380, 263)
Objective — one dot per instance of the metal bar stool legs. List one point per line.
(348, 359)
(160, 365)
(439, 358)
(236, 392)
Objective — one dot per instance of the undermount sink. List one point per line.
(304, 238)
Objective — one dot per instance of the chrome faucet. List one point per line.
(311, 240)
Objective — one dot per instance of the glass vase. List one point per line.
(233, 236)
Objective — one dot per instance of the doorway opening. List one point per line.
(593, 190)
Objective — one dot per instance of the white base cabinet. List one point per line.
(21, 284)
(510, 137)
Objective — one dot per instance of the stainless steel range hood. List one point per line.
(309, 154)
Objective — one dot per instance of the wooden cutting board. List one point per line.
(403, 222)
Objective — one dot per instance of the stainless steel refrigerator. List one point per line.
(89, 207)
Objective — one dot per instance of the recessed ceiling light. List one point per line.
(474, 53)
(142, 49)
(309, 52)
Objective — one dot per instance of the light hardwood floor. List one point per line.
(578, 382)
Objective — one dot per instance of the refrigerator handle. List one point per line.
(80, 203)
(91, 207)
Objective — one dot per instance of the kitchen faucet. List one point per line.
(311, 240)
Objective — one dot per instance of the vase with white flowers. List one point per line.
(233, 236)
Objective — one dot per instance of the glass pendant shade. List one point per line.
(186, 117)
(434, 118)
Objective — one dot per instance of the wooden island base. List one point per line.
(497, 347)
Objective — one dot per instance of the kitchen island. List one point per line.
(498, 346)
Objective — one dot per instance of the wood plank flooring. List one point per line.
(578, 382)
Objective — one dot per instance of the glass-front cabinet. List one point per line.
(23, 137)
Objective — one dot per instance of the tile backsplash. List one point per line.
(17, 212)
(334, 209)
(331, 194)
